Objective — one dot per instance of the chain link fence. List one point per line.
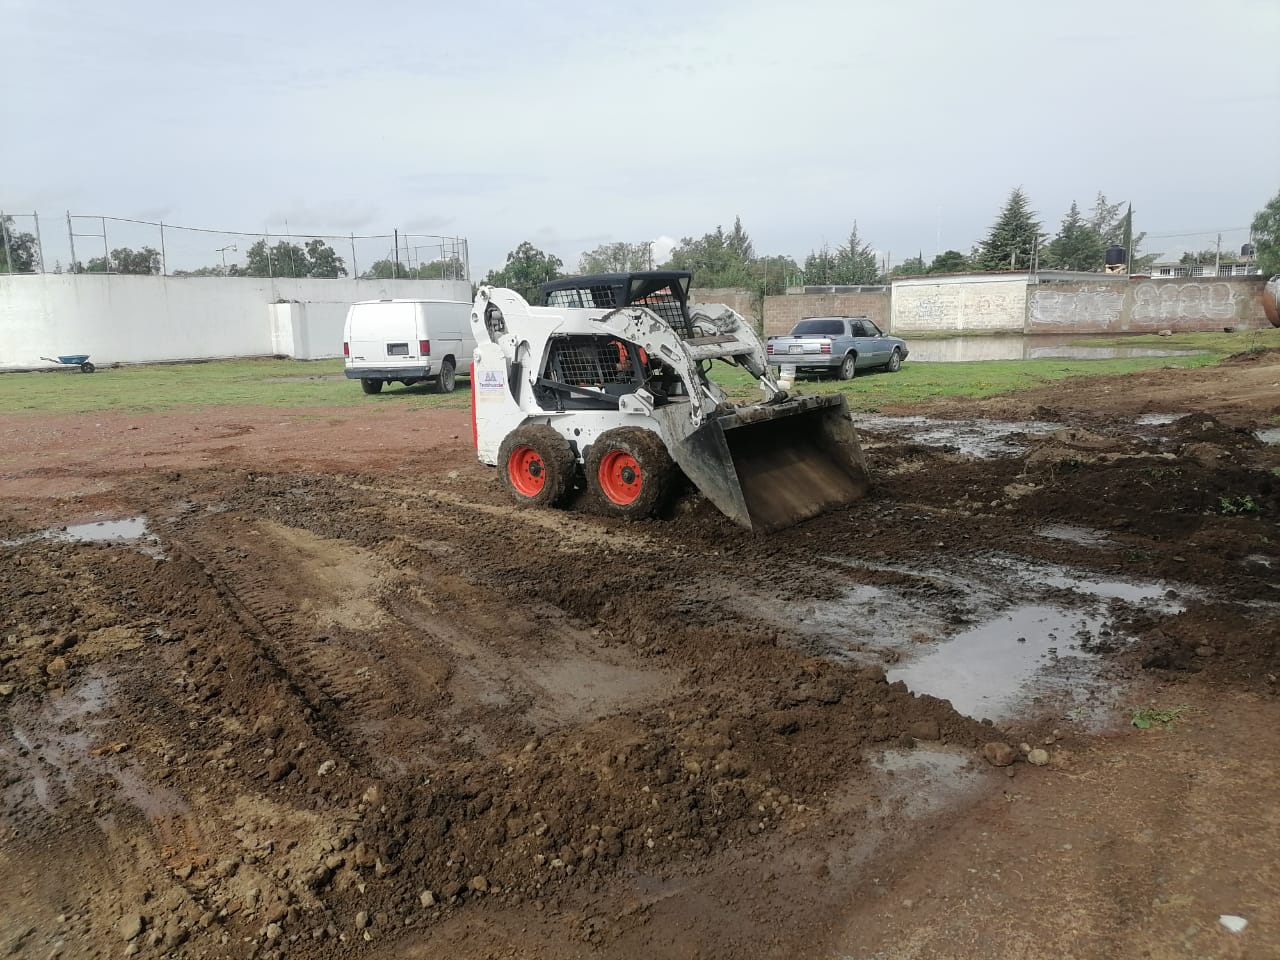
(123, 245)
(20, 247)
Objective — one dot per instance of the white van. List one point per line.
(408, 341)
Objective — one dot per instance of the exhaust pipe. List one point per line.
(771, 466)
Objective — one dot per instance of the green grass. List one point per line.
(986, 378)
(256, 383)
(1147, 717)
(319, 383)
(1218, 343)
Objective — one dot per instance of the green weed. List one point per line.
(1230, 506)
(1147, 717)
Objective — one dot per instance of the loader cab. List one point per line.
(665, 292)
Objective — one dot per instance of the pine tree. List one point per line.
(1014, 237)
(738, 243)
(1078, 246)
(856, 260)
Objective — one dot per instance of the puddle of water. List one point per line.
(986, 670)
(133, 530)
(1036, 347)
(975, 438)
(56, 749)
(1084, 536)
(1158, 419)
(926, 780)
(1153, 594)
(1271, 435)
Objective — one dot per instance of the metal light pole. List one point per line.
(223, 250)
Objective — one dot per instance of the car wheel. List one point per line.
(446, 379)
(371, 386)
(848, 366)
(895, 362)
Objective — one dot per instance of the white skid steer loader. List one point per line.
(605, 384)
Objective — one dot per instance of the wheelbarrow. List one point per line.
(80, 360)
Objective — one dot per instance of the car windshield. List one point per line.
(819, 327)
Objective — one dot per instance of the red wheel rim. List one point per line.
(526, 471)
(620, 477)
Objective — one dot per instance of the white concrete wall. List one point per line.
(307, 331)
(961, 303)
(130, 319)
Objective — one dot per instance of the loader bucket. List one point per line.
(767, 467)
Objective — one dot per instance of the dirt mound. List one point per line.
(1223, 643)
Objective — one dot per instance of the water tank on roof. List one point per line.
(1246, 250)
(1115, 255)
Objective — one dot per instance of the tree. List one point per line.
(615, 258)
(214, 271)
(770, 275)
(323, 261)
(739, 243)
(950, 261)
(1266, 237)
(448, 268)
(20, 253)
(1197, 257)
(1014, 237)
(856, 261)
(1078, 246)
(1107, 221)
(287, 259)
(820, 267)
(526, 269)
(718, 259)
(124, 260)
(910, 267)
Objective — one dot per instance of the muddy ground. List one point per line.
(318, 690)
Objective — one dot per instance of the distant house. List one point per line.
(1229, 265)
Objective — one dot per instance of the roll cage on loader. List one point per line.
(605, 385)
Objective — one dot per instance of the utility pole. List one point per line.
(1217, 259)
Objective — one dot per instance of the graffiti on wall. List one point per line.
(956, 306)
(1170, 302)
(1088, 307)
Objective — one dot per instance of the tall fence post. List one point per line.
(164, 264)
(8, 250)
(39, 243)
(355, 267)
(106, 254)
(71, 239)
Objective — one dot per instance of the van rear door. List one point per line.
(385, 335)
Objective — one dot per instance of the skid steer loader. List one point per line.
(605, 384)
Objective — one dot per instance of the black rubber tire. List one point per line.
(87, 367)
(848, 367)
(371, 386)
(447, 378)
(657, 472)
(559, 465)
(895, 362)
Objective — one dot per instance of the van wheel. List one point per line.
(446, 380)
(371, 386)
(537, 466)
(629, 472)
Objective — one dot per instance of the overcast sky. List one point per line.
(563, 123)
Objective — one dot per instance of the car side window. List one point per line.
(856, 329)
(872, 329)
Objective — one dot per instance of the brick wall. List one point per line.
(782, 313)
(738, 299)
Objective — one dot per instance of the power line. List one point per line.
(1196, 233)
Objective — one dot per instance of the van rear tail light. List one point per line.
(346, 349)
(424, 348)
(826, 348)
